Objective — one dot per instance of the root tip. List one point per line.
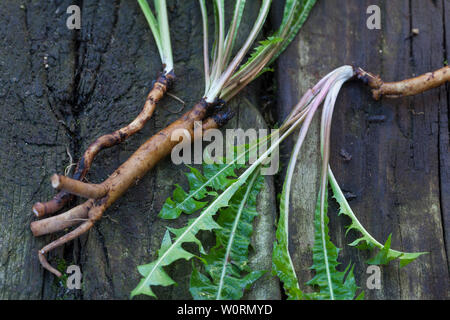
(46, 265)
(38, 209)
(55, 181)
(33, 229)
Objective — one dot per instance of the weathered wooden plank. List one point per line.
(444, 136)
(394, 171)
(96, 81)
(420, 215)
(117, 64)
(33, 141)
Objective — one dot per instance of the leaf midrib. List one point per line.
(232, 234)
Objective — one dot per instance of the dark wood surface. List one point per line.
(97, 80)
(398, 174)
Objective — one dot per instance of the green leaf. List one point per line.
(172, 251)
(332, 284)
(160, 30)
(282, 265)
(260, 51)
(384, 256)
(367, 241)
(158, 275)
(202, 288)
(228, 259)
(300, 14)
(219, 43)
(294, 16)
(163, 23)
(360, 296)
(153, 273)
(216, 176)
(153, 24)
(205, 221)
(219, 80)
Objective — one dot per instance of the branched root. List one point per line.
(101, 196)
(160, 87)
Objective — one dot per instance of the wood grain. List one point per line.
(398, 153)
(97, 79)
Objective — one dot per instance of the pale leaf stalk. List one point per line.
(248, 71)
(327, 174)
(307, 6)
(163, 21)
(153, 25)
(300, 108)
(307, 117)
(232, 33)
(284, 214)
(343, 74)
(266, 55)
(305, 100)
(232, 90)
(217, 85)
(289, 27)
(218, 61)
(288, 14)
(160, 30)
(307, 114)
(305, 111)
(205, 43)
